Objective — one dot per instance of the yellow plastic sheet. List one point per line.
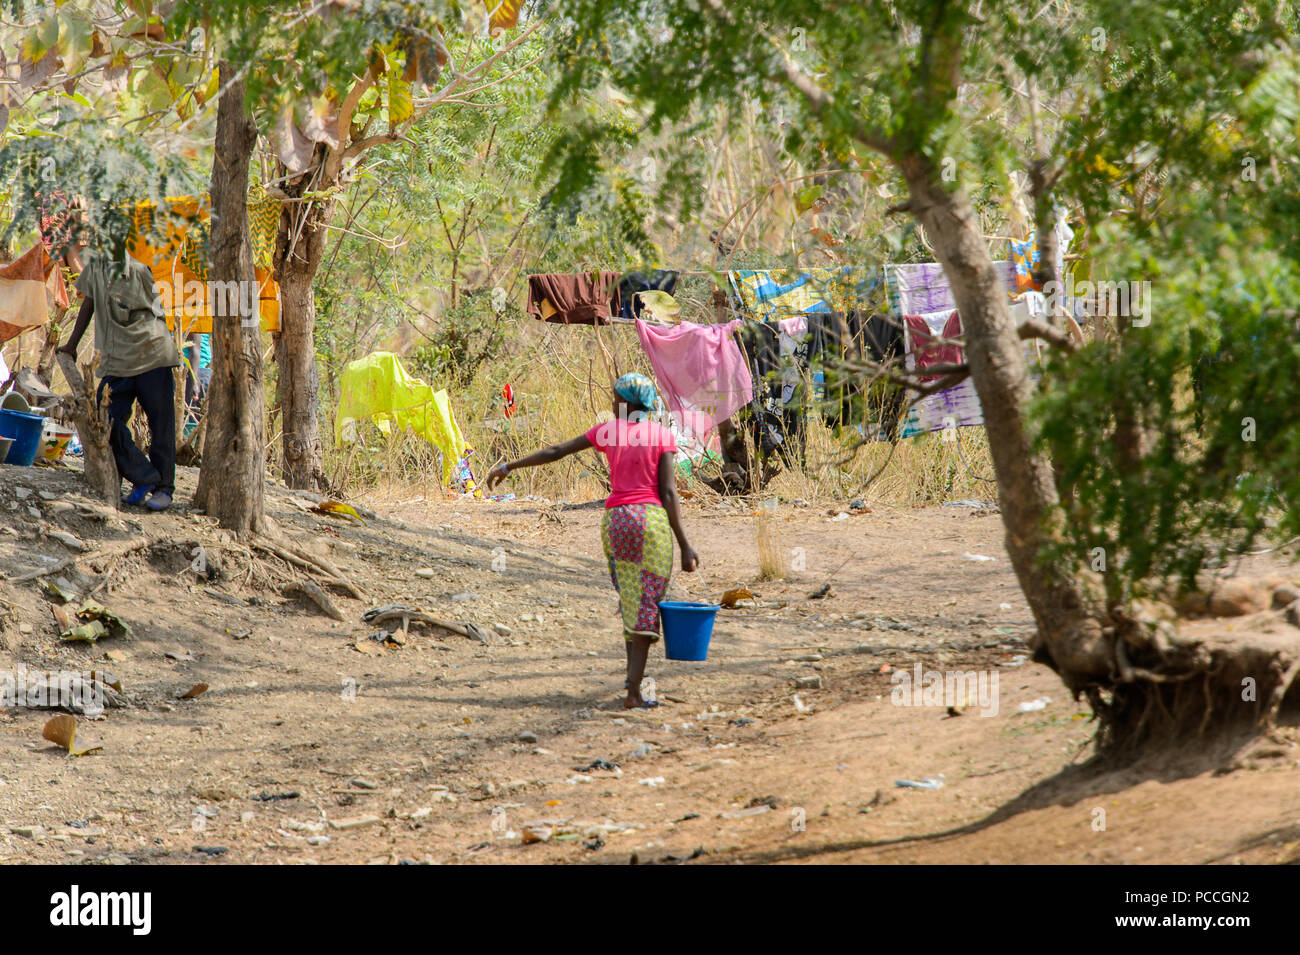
(377, 388)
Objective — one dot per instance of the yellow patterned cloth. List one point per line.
(377, 388)
(178, 256)
(776, 293)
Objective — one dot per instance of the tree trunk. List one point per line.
(90, 418)
(1150, 681)
(299, 248)
(233, 474)
(1070, 637)
(45, 362)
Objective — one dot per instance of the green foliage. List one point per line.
(108, 170)
(467, 341)
(1168, 129)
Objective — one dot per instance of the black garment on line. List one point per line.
(660, 280)
(156, 392)
(776, 428)
(859, 335)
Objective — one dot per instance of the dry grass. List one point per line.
(771, 561)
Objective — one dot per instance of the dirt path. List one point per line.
(305, 749)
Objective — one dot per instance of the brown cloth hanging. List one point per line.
(582, 298)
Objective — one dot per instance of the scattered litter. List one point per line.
(651, 781)
(532, 834)
(841, 516)
(599, 765)
(95, 621)
(58, 590)
(354, 823)
(927, 782)
(976, 557)
(713, 764)
(1017, 661)
(800, 706)
(1034, 705)
(745, 813)
(1004, 606)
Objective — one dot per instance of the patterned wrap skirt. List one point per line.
(639, 547)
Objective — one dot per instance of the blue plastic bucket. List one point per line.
(26, 430)
(688, 628)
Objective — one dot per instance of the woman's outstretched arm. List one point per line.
(544, 456)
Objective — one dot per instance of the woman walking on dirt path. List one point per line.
(641, 514)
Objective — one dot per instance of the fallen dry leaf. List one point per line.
(62, 731)
(732, 597)
(198, 689)
(338, 509)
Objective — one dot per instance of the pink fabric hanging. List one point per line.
(704, 377)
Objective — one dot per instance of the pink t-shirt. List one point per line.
(633, 451)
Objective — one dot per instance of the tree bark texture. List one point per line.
(90, 418)
(299, 248)
(1070, 637)
(232, 479)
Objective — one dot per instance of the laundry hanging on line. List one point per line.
(175, 246)
(700, 370)
(853, 396)
(377, 388)
(28, 287)
(934, 340)
(579, 298)
(786, 293)
(633, 283)
(922, 289)
(1025, 255)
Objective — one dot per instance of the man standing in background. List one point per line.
(138, 357)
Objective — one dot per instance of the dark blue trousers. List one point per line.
(156, 392)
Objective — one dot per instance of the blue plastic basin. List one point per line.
(25, 429)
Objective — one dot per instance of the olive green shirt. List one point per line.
(130, 332)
